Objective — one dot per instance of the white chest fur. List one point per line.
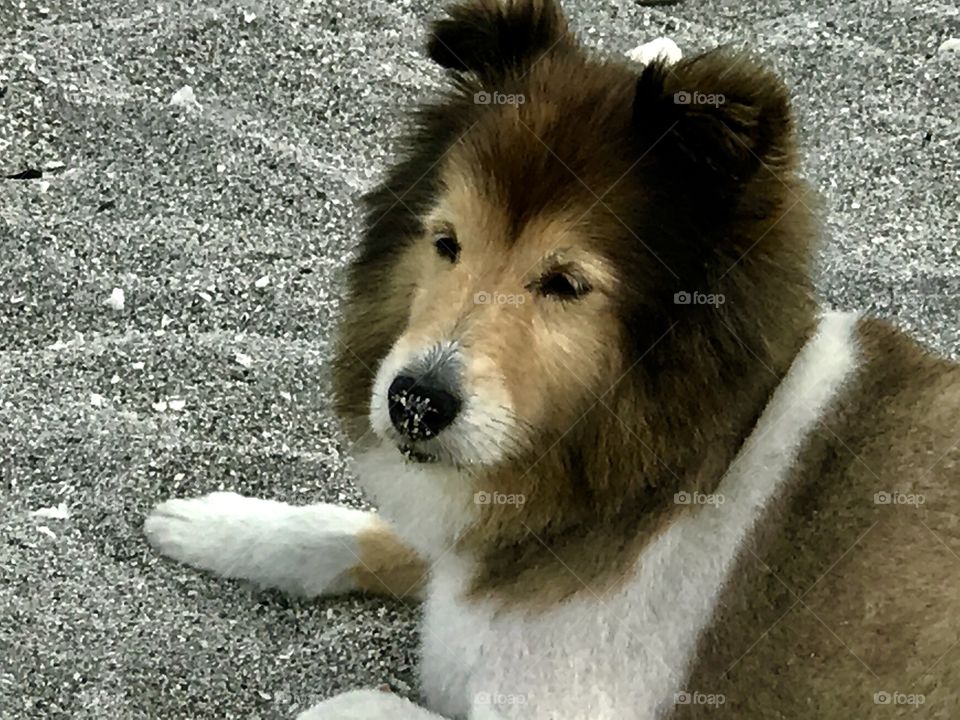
(626, 654)
(428, 506)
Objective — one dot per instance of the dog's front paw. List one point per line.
(209, 532)
(367, 705)
(304, 550)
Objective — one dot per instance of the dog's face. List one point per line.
(528, 252)
(510, 322)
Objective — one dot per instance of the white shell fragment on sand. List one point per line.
(262, 282)
(243, 359)
(116, 300)
(58, 512)
(950, 45)
(185, 98)
(662, 47)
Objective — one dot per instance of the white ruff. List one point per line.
(428, 505)
(626, 655)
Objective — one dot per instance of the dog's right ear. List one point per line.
(715, 120)
(492, 38)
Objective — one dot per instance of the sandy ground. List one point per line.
(227, 224)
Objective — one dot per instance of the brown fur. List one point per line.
(386, 566)
(837, 591)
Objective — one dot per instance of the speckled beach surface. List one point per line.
(170, 276)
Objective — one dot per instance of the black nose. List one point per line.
(418, 410)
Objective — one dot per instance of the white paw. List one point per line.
(663, 48)
(301, 550)
(208, 532)
(367, 705)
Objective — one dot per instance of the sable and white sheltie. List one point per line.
(630, 466)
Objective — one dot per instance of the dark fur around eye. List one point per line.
(447, 247)
(562, 285)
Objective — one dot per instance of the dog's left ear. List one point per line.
(494, 37)
(714, 121)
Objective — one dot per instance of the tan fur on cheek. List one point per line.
(436, 292)
(484, 376)
(560, 365)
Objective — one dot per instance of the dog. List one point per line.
(630, 466)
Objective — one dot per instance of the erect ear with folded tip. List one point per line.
(716, 120)
(494, 37)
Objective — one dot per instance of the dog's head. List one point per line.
(564, 235)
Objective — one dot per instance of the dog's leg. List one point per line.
(311, 550)
(367, 705)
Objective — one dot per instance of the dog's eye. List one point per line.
(562, 285)
(447, 247)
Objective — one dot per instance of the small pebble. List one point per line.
(185, 98)
(116, 300)
(59, 512)
(47, 531)
(951, 45)
(662, 47)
